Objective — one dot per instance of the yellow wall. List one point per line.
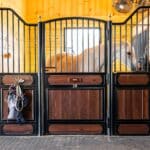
(30, 10)
(48, 9)
(18, 5)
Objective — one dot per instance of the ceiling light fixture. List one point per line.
(123, 6)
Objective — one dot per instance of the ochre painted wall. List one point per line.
(48, 9)
(18, 5)
(31, 10)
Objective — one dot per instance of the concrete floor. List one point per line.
(72, 142)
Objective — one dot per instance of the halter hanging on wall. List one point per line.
(17, 101)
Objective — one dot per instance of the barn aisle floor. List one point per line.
(72, 142)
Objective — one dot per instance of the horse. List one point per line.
(141, 44)
(84, 62)
(92, 59)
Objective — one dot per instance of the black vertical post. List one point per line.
(109, 76)
(41, 95)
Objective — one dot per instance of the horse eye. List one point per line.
(129, 53)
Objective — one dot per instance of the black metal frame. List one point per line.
(115, 122)
(117, 86)
(33, 87)
(11, 18)
(41, 122)
(102, 87)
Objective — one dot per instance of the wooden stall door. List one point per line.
(75, 110)
(132, 106)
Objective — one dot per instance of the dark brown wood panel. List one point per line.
(133, 104)
(11, 79)
(74, 79)
(133, 129)
(17, 129)
(28, 112)
(75, 104)
(75, 128)
(133, 79)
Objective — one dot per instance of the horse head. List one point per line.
(123, 56)
(141, 44)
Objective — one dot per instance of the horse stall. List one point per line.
(130, 106)
(18, 75)
(75, 76)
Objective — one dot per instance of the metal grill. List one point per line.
(130, 79)
(130, 43)
(75, 45)
(76, 55)
(18, 44)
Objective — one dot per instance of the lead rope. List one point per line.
(19, 98)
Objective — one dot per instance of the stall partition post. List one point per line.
(109, 75)
(41, 70)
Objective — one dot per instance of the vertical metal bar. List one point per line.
(2, 39)
(120, 50)
(94, 47)
(13, 40)
(126, 47)
(29, 44)
(61, 44)
(41, 78)
(143, 39)
(148, 47)
(66, 47)
(24, 41)
(88, 48)
(7, 42)
(18, 46)
(72, 45)
(77, 64)
(55, 48)
(35, 50)
(131, 26)
(114, 59)
(50, 44)
(136, 34)
(83, 45)
(99, 53)
(109, 76)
